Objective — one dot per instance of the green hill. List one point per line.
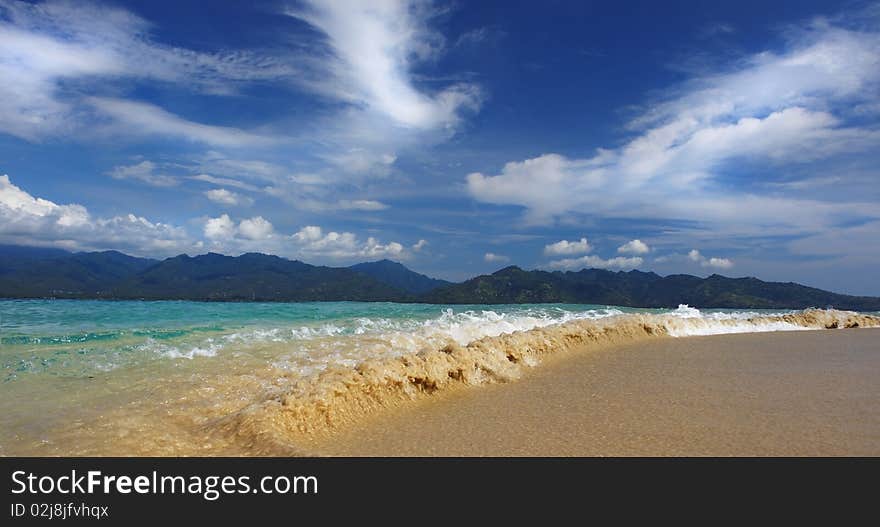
(251, 276)
(51, 273)
(399, 276)
(640, 289)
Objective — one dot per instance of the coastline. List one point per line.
(244, 402)
(782, 393)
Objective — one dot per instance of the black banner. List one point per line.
(123, 490)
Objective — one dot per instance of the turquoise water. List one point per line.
(85, 337)
(81, 337)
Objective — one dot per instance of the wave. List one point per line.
(290, 416)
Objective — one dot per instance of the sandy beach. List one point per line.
(796, 393)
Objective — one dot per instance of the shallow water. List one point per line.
(97, 377)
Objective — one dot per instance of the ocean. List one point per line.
(194, 378)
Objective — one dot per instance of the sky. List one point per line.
(738, 138)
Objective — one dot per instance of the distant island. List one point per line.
(29, 272)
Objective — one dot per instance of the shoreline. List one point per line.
(756, 394)
(249, 407)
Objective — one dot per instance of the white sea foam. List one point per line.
(688, 321)
(312, 348)
(208, 349)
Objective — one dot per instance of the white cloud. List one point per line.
(634, 247)
(419, 245)
(45, 45)
(495, 258)
(375, 249)
(363, 161)
(144, 171)
(371, 49)
(313, 241)
(719, 263)
(565, 247)
(779, 109)
(256, 228)
(229, 182)
(223, 229)
(308, 234)
(618, 262)
(362, 204)
(220, 228)
(29, 220)
(148, 119)
(478, 37)
(714, 262)
(854, 241)
(227, 197)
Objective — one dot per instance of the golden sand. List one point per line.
(794, 393)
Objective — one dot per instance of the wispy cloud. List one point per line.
(371, 50)
(148, 119)
(362, 204)
(145, 171)
(495, 258)
(53, 52)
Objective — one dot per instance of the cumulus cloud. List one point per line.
(714, 262)
(618, 262)
(29, 220)
(375, 249)
(256, 228)
(719, 263)
(223, 228)
(495, 258)
(145, 171)
(565, 247)
(227, 197)
(312, 240)
(774, 108)
(371, 49)
(634, 247)
(220, 228)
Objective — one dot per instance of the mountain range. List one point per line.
(27, 272)
(640, 289)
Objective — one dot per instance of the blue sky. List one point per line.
(687, 137)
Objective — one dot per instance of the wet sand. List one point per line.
(794, 393)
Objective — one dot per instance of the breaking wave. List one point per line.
(469, 349)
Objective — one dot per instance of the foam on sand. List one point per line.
(290, 416)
